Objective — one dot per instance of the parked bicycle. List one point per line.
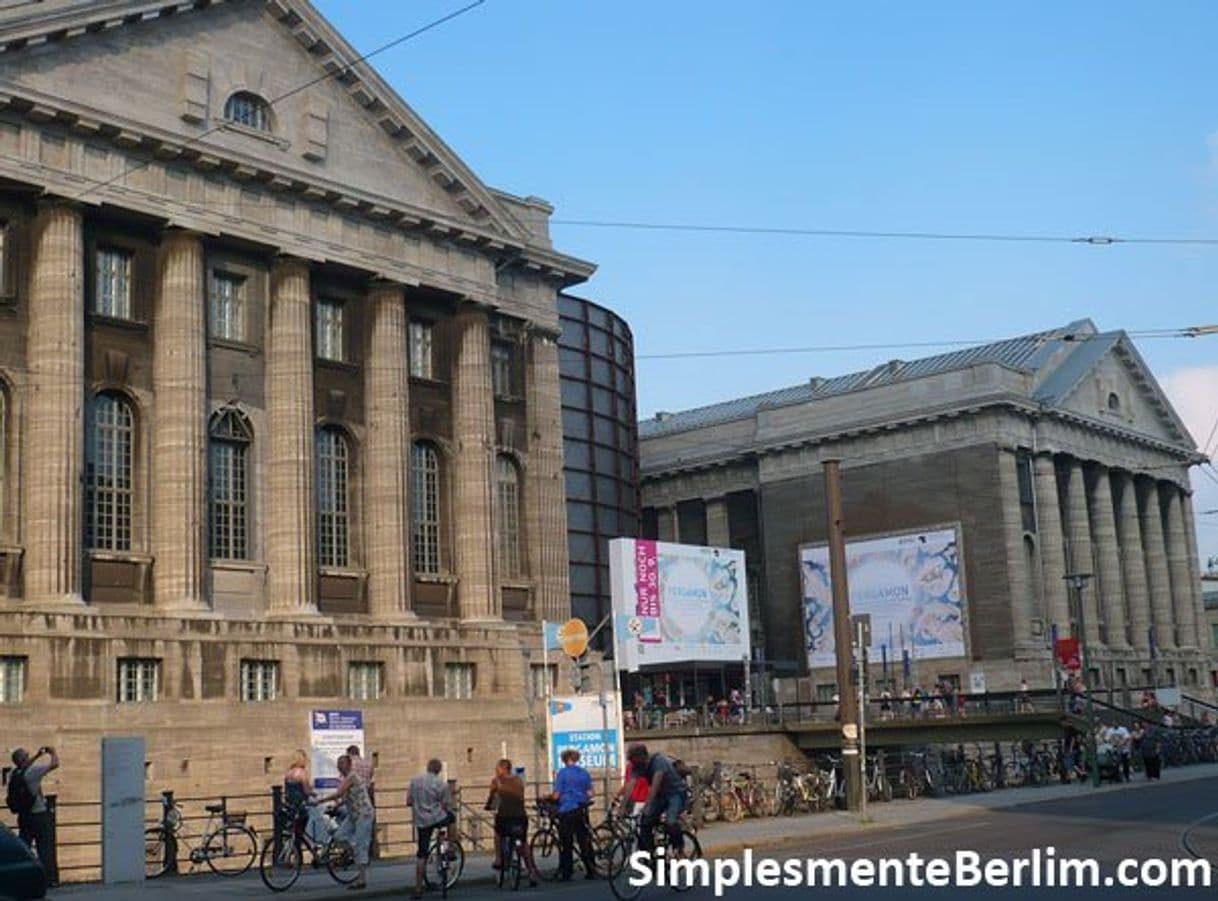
(227, 845)
(445, 862)
(281, 862)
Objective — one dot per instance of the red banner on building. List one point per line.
(1067, 651)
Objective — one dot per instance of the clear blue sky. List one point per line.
(1079, 118)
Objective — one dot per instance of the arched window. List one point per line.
(228, 447)
(1114, 402)
(250, 110)
(425, 495)
(333, 509)
(109, 472)
(507, 496)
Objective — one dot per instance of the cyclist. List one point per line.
(668, 796)
(574, 792)
(432, 802)
(357, 826)
(506, 798)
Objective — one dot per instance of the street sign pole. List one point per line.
(862, 652)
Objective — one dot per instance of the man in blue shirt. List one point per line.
(574, 792)
(668, 798)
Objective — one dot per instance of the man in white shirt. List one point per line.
(34, 825)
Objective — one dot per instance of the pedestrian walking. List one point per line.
(26, 800)
(574, 792)
(1152, 749)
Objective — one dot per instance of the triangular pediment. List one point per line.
(172, 74)
(1111, 383)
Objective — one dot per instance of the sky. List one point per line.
(1030, 118)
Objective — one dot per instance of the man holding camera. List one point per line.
(33, 819)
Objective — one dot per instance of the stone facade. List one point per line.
(279, 376)
(1050, 454)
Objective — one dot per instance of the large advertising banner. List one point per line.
(911, 586)
(581, 723)
(678, 603)
(331, 732)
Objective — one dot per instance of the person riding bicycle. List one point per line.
(432, 802)
(357, 827)
(506, 798)
(668, 796)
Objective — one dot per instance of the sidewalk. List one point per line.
(718, 839)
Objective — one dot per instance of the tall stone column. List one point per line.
(387, 507)
(1109, 582)
(1133, 562)
(291, 552)
(52, 440)
(1158, 578)
(666, 527)
(1017, 569)
(473, 482)
(1178, 565)
(718, 530)
(545, 492)
(1052, 543)
(1078, 528)
(1201, 623)
(179, 433)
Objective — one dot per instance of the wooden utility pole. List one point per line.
(843, 641)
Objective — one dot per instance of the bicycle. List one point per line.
(445, 862)
(280, 868)
(620, 871)
(544, 841)
(511, 859)
(877, 786)
(225, 838)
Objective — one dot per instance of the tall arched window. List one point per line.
(507, 496)
(333, 508)
(229, 440)
(109, 472)
(425, 495)
(248, 109)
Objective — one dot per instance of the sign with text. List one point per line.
(910, 584)
(581, 723)
(331, 732)
(678, 603)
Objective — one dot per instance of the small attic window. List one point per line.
(1114, 402)
(250, 110)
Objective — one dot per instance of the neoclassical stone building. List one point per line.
(280, 402)
(1052, 453)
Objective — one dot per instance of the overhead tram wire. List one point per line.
(993, 237)
(342, 70)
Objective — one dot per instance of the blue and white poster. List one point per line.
(910, 585)
(581, 723)
(331, 732)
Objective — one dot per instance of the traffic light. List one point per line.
(581, 677)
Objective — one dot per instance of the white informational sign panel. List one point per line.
(911, 586)
(976, 683)
(122, 794)
(678, 603)
(331, 732)
(581, 723)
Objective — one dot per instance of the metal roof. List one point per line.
(1027, 353)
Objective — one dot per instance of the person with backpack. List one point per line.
(668, 796)
(24, 798)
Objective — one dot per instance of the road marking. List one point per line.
(1187, 831)
(920, 834)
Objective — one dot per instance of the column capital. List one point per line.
(57, 202)
(379, 286)
(286, 263)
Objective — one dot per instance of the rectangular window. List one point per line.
(228, 499)
(459, 681)
(501, 370)
(1214, 634)
(3, 258)
(825, 692)
(139, 680)
(227, 306)
(112, 294)
(329, 330)
(1027, 503)
(12, 679)
(543, 679)
(422, 359)
(259, 680)
(365, 681)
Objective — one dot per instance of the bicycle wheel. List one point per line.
(544, 845)
(230, 850)
(280, 871)
(730, 807)
(456, 863)
(155, 863)
(710, 806)
(505, 856)
(621, 874)
(340, 861)
(691, 850)
(603, 837)
(517, 866)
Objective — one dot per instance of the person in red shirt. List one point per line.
(635, 790)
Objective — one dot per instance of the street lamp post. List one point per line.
(1077, 582)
